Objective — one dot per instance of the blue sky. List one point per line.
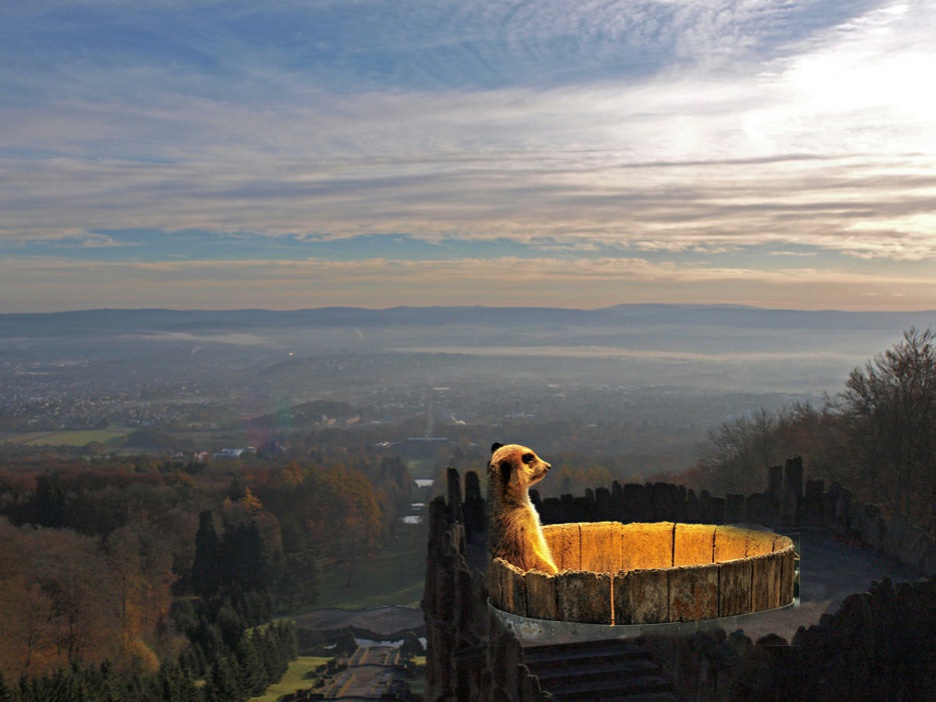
(302, 153)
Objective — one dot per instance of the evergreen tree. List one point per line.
(254, 676)
(223, 685)
(230, 624)
(268, 655)
(178, 686)
(237, 490)
(48, 504)
(299, 580)
(206, 569)
(244, 561)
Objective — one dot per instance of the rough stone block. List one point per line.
(694, 544)
(711, 509)
(734, 508)
(636, 505)
(550, 511)
(641, 597)
(664, 498)
(584, 597)
(693, 512)
(453, 485)
(828, 510)
(603, 503)
(929, 560)
(775, 481)
(790, 509)
(762, 509)
(895, 535)
(793, 477)
(843, 503)
(813, 502)
(914, 547)
(693, 593)
(873, 529)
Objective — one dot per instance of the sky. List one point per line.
(286, 154)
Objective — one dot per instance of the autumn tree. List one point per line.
(736, 455)
(298, 580)
(889, 413)
(349, 519)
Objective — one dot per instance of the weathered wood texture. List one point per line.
(641, 596)
(693, 593)
(649, 573)
(542, 596)
(648, 545)
(584, 597)
(694, 544)
(734, 587)
(507, 585)
(565, 543)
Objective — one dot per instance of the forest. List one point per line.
(877, 436)
(152, 580)
(149, 578)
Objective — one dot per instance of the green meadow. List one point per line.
(79, 437)
(300, 675)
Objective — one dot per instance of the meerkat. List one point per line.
(515, 533)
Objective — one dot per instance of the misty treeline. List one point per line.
(876, 437)
(133, 579)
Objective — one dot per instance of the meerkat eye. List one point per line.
(528, 457)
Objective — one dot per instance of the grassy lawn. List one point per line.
(295, 678)
(66, 438)
(392, 577)
(421, 467)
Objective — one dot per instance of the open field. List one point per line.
(301, 675)
(81, 437)
(394, 576)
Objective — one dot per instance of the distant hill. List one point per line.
(119, 321)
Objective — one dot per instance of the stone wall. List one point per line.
(787, 502)
(879, 645)
(469, 658)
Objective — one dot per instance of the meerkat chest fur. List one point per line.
(515, 532)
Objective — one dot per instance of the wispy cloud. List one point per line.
(44, 284)
(717, 139)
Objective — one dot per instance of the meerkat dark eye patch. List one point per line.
(528, 458)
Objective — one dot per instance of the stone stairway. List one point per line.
(599, 671)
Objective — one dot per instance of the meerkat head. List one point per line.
(514, 466)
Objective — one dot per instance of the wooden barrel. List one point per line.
(613, 573)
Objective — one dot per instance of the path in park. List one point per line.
(372, 671)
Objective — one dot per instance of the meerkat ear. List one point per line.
(505, 467)
(494, 447)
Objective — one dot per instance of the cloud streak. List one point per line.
(48, 284)
(709, 137)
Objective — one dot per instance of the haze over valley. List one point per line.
(646, 381)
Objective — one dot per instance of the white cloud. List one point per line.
(741, 128)
(48, 284)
